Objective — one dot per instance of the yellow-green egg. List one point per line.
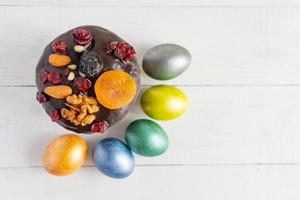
(164, 102)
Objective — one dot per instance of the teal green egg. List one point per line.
(147, 138)
(164, 102)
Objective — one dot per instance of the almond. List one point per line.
(79, 48)
(82, 74)
(71, 76)
(72, 67)
(57, 60)
(58, 91)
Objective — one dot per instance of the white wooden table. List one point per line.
(240, 139)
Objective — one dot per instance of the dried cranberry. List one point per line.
(54, 77)
(100, 126)
(124, 51)
(121, 50)
(59, 46)
(82, 84)
(82, 36)
(40, 97)
(111, 47)
(44, 75)
(55, 116)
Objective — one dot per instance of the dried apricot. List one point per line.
(57, 60)
(115, 89)
(58, 91)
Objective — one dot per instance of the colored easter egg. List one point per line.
(147, 138)
(65, 154)
(166, 61)
(164, 102)
(113, 158)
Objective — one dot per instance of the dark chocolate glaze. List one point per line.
(101, 37)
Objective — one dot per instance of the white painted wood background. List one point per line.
(240, 139)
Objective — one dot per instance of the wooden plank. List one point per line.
(177, 183)
(224, 125)
(93, 3)
(229, 45)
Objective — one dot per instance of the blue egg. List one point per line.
(113, 158)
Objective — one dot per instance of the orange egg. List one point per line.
(115, 89)
(65, 154)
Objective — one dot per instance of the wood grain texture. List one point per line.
(160, 183)
(240, 137)
(229, 45)
(93, 3)
(224, 125)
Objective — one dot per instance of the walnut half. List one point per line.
(80, 109)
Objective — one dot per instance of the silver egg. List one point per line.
(166, 61)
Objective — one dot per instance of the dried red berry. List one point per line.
(40, 97)
(124, 51)
(82, 84)
(111, 47)
(99, 126)
(59, 46)
(54, 77)
(121, 50)
(82, 36)
(55, 116)
(44, 75)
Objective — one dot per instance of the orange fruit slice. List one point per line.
(115, 89)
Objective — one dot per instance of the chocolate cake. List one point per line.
(87, 79)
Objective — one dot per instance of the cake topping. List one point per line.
(40, 97)
(82, 74)
(71, 76)
(82, 36)
(72, 67)
(59, 47)
(90, 64)
(80, 109)
(57, 60)
(115, 89)
(54, 77)
(83, 84)
(99, 126)
(79, 48)
(121, 50)
(124, 51)
(44, 76)
(111, 47)
(58, 91)
(55, 116)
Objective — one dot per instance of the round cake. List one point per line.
(87, 79)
